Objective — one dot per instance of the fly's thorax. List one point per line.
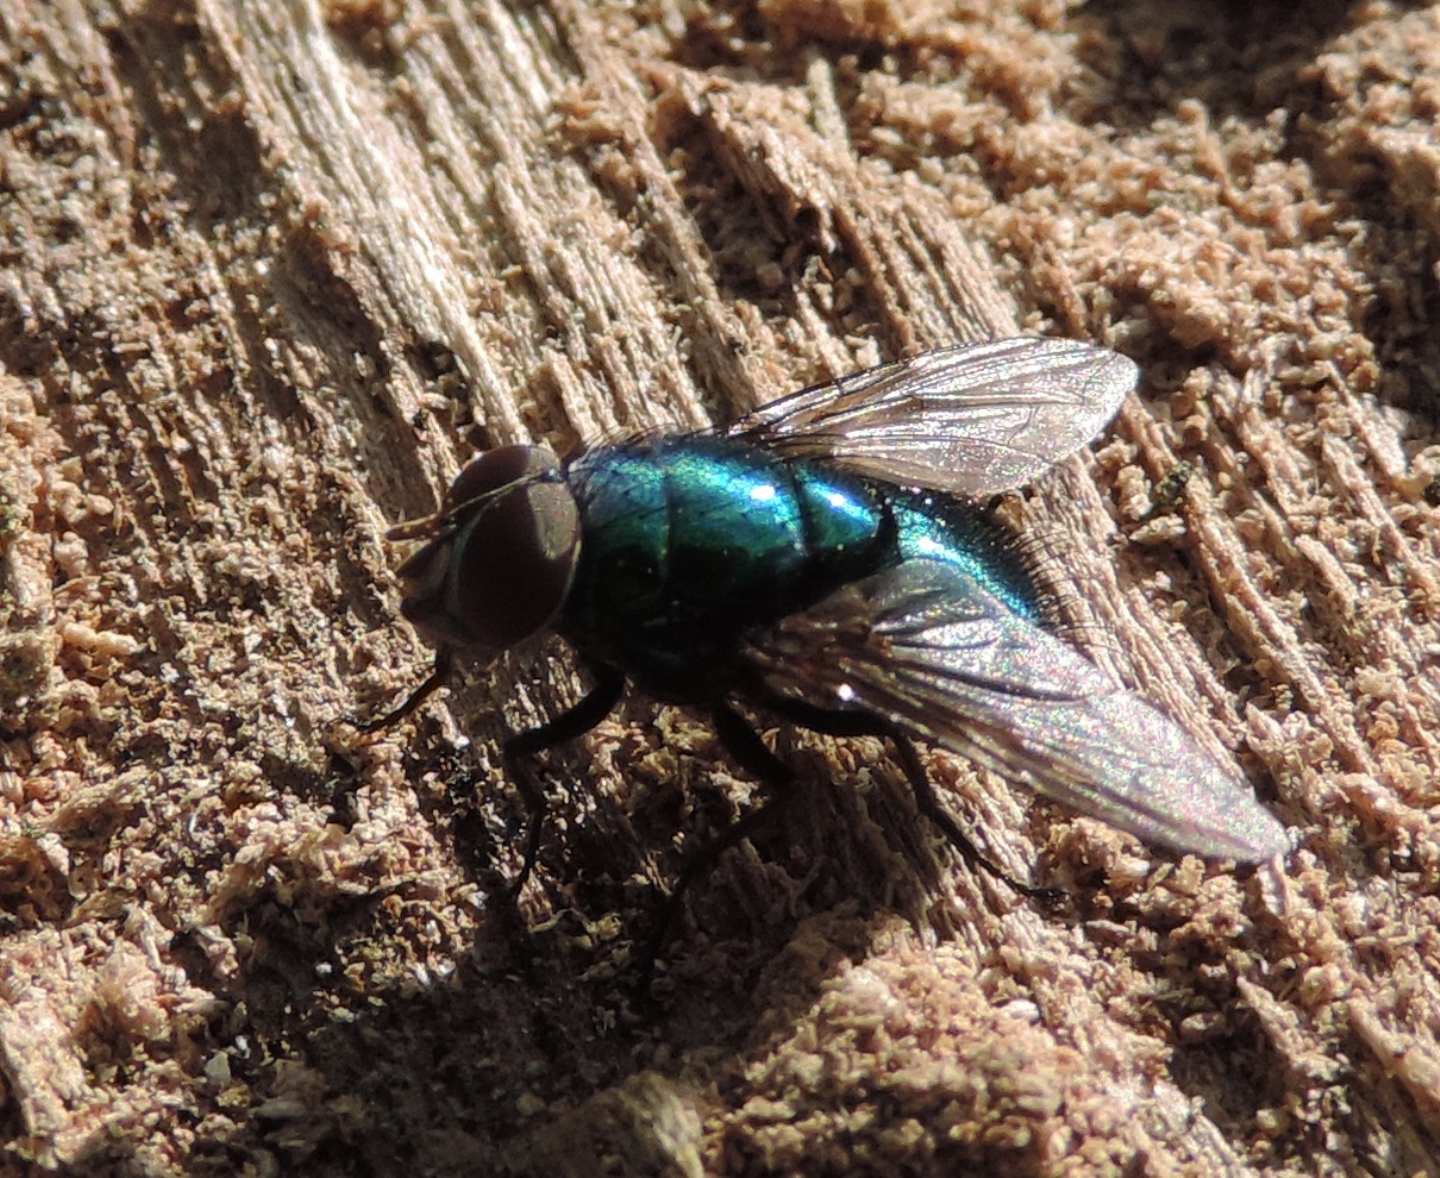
(689, 541)
(502, 553)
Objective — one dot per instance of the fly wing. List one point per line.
(923, 645)
(972, 420)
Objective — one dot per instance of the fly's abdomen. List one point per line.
(933, 527)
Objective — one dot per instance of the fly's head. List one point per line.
(501, 554)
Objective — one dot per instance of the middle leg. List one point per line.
(750, 753)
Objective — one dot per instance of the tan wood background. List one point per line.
(273, 270)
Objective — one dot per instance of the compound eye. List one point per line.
(497, 468)
(507, 568)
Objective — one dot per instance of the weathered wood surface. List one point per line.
(272, 271)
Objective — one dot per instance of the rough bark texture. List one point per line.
(273, 270)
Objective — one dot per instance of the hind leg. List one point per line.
(861, 723)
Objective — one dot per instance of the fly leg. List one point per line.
(750, 754)
(601, 700)
(441, 672)
(859, 723)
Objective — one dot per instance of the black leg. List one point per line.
(601, 700)
(749, 751)
(750, 754)
(861, 723)
(443, 663)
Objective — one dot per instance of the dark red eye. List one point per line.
(498, 468)
(502, 570)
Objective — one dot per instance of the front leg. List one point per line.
(601, 700)
(443, 662)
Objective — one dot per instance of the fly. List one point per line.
(823, 559)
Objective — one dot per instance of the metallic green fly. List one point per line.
(824, 560)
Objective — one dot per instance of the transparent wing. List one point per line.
(973, 420)
(926, 647)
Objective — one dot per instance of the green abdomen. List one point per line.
(689, 542)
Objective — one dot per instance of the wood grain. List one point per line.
(273, 271)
